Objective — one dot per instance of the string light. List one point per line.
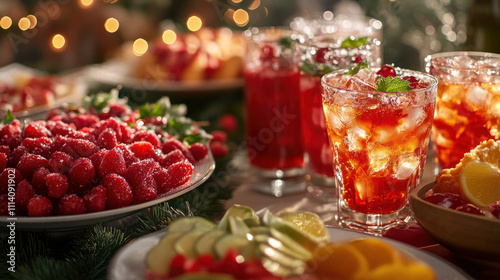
(140, 47)
(24, 23)
(236, 1)
(86, 3)
(194, 23)
(255, 4)
(111, 25)
(33, 21)
(58, 42)
(169, 37)
(6, 22)
(240, 17)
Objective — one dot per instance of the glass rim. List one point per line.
(260, 33)
(433, 83)
(313, 42)
(447, 55)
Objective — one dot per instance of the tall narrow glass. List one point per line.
(379, 141)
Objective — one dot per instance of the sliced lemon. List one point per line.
(480, 183)
(308, 222)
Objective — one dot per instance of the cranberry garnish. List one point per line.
(357, 58)
(386, 71)
(447, 200)
(319, 56)
(494, 208)
(267, 52)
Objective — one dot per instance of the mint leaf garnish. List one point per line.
(390, 84)
(351, 43)
(315, 70)
(286, 42)
(354, 70)
(9, 118)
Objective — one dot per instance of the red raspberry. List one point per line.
(5, 149)
(172, 157)
(60, 162)
(108, 123)
(57, 184)
(218, 136)
(145, 191)
(82, 135)
(38, 182)
(118, 109)
(199, 151)
(24, 192)
(148, 136)
(107, 139)
(71, 204)
(58, 143)
(218, 149)
(128, 155)
(118, 191)
(97, 160)
(127, 133)
(177, 174)
(141, 149)
(82, 171)
(3, 161)
(228, 122)
(10, 135)
(29, 163)
(138, 171)
(39, 146)
(82, 121)
(386, 71)
(79, 148)
(172, 144)
(95, 199)
(113, 162)
(39, 206)
(16, 155)
(36, 130)
(60, 128)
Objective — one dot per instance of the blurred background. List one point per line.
(59, 35)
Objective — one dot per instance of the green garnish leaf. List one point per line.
(286, 42)
(159, 109)
(9, 118)
(390, 84)
(354, 70)
(315, 70)
(352, 43)
(193, 138)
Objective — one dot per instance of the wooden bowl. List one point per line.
(472, 237)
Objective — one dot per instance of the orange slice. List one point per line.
(397, 271)
(480, 183)
(376, 252)
(333, 261)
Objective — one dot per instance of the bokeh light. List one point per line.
(33, 21)
(5, 22)
(169, 37)
(24, 23)
(140, 47)
(58, 42)
(111, 25)
(194, 23)
(240, 17)
(86, 3)
(255, 4)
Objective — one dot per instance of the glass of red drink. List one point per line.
(468, 103)
(378, 126)
(273, 125)
(319, 56)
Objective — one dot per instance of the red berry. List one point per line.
(107, 139)
(3, 161)
(16, 155)
(71, 204)
(141, 149)
(82, 171)
(108, 123)
(172, 157)
(57, 184)
(218, 136)
(494, 208)
(177, 174)
(199, 151)
(60, 128)
(38, 182)
(97, 160)
(447, 200)
(113, 162)
(39, 146)
(145, 191)
(36, 130)
(128, 155)
(81, 121)
(228, 122)
(29, 163)
(320, 54)
(386, 71)
(137, 172)
(60, 162)
(148, 136)
(267, 52)
(118, 110)
(173, 144)
(412, 80)
(95, 199)
(358, 59)
(5, 149)
(218, 149)
(177, 265)
(471, 209)
(202, 263)
(39, 206)
(79, 148)
(118, 191)
(24, 192)
(127, 133)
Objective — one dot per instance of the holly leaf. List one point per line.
(9, 118)
(354, 70)
(352, 43)
(390, 84)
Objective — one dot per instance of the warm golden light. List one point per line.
(86, 3)
(255, 4)
(194, 23)
(58, 41)
(33, 21)
(24, 23)
(111, 25)
(140, 47)
(169, 37)
(240, 17)
(5, 22)
(236, 1)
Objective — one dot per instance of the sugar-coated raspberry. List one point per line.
(218, 149)
(145, 191)
(39, 146)
(218, 136)
(199, 151)
(97, 160)
(107, 139)
(113, 162)
(24, 192)
(138, 171)
(39, 182)
(386, 71)
(173, 144)
(40, 206)
(82, 171)
(118, 191)
(16, 155)
(82, 134)
(5, 149)
(58, 142)
(83, 120)
(160, 177)
(108, 123)
(177, 174)
(60, 162)
(127, 133)
(172, 157)
(79, 148)
(71, 204)
(3, 161)
(95, 199)
(141, 149)
(29, 163)
(57, 185)
(36, 130)
(60, 128)
(128, 155)
(494, 208)
(148, 136)
(116, 109)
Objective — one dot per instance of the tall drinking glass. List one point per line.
(468, 103)
(379, 142)
(321, 55)
(273, 125)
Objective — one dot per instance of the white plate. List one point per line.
(129, 262)
(202, 171)
(77, 91)
(115, 73)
